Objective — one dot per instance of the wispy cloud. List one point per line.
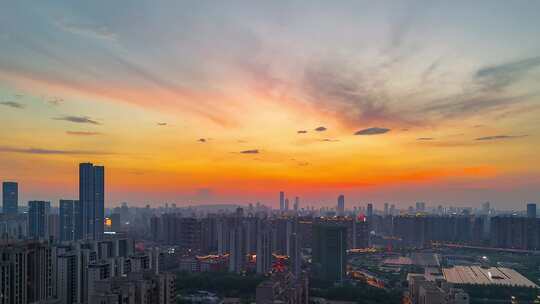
(253, 151)
(78, 119)
(497, 77)
(161, 124)
(46, 151)
(301, 131)
(500, 137)
(330, 140)
(425, 138)
(372, 131)
(12, 104)
(320, 129)
(83, 133)
(89, 30)
(202, 140)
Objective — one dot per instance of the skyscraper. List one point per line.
(91, 198)
(10, 197)
(531, 210)
(385, 209)
(281, 201)
(296, 203)
(341, 204)
(67, 220)
(286, 204)
(38, 216)
(329, 251)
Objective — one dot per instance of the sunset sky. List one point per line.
(233, 101)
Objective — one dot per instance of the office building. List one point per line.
(38, 219)
(281, 201)
(10, 198)
(341, 205)
(296, 203)
(91, 198)
(330, 251)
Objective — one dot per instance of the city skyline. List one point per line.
(231, 103)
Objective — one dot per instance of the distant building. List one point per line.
(424, 291)
(281, 201)
(296, 204)
(531, 210)
(369, 211)
(92, 200)
(341, 205)
(330, 251)
(38, 219)
(10, 198)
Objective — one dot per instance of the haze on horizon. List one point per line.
(233, 101)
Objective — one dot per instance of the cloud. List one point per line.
(355, 96)
(12, 104)
(55, 101)
(254, 151)
(301, 131)
(497, 77)
(488, 91)
(161, 123)
(320, 129)
(44, 151)
(372, 131)
(329, 140)
(499, 137)
(425, 138)
(82, 133)
(78, 119)
(89, 30)
(203, 140)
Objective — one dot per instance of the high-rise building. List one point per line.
(386, 209)
(420, 206)
(26, 272)
(68, 278)
(296, 203)
(286, 204)
(91, 198)
(67, 220)
(369, 211)
(264, 250)
(531, 210)
(281, 201)
(295, 257)
(10, 197)
(38, 219)
(341, 205)
(330, 251)
(237, 257)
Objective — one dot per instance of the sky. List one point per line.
(197, 102)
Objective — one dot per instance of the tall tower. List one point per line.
(91, 198)
(10, 197)
(281, 201)
(341, 205)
